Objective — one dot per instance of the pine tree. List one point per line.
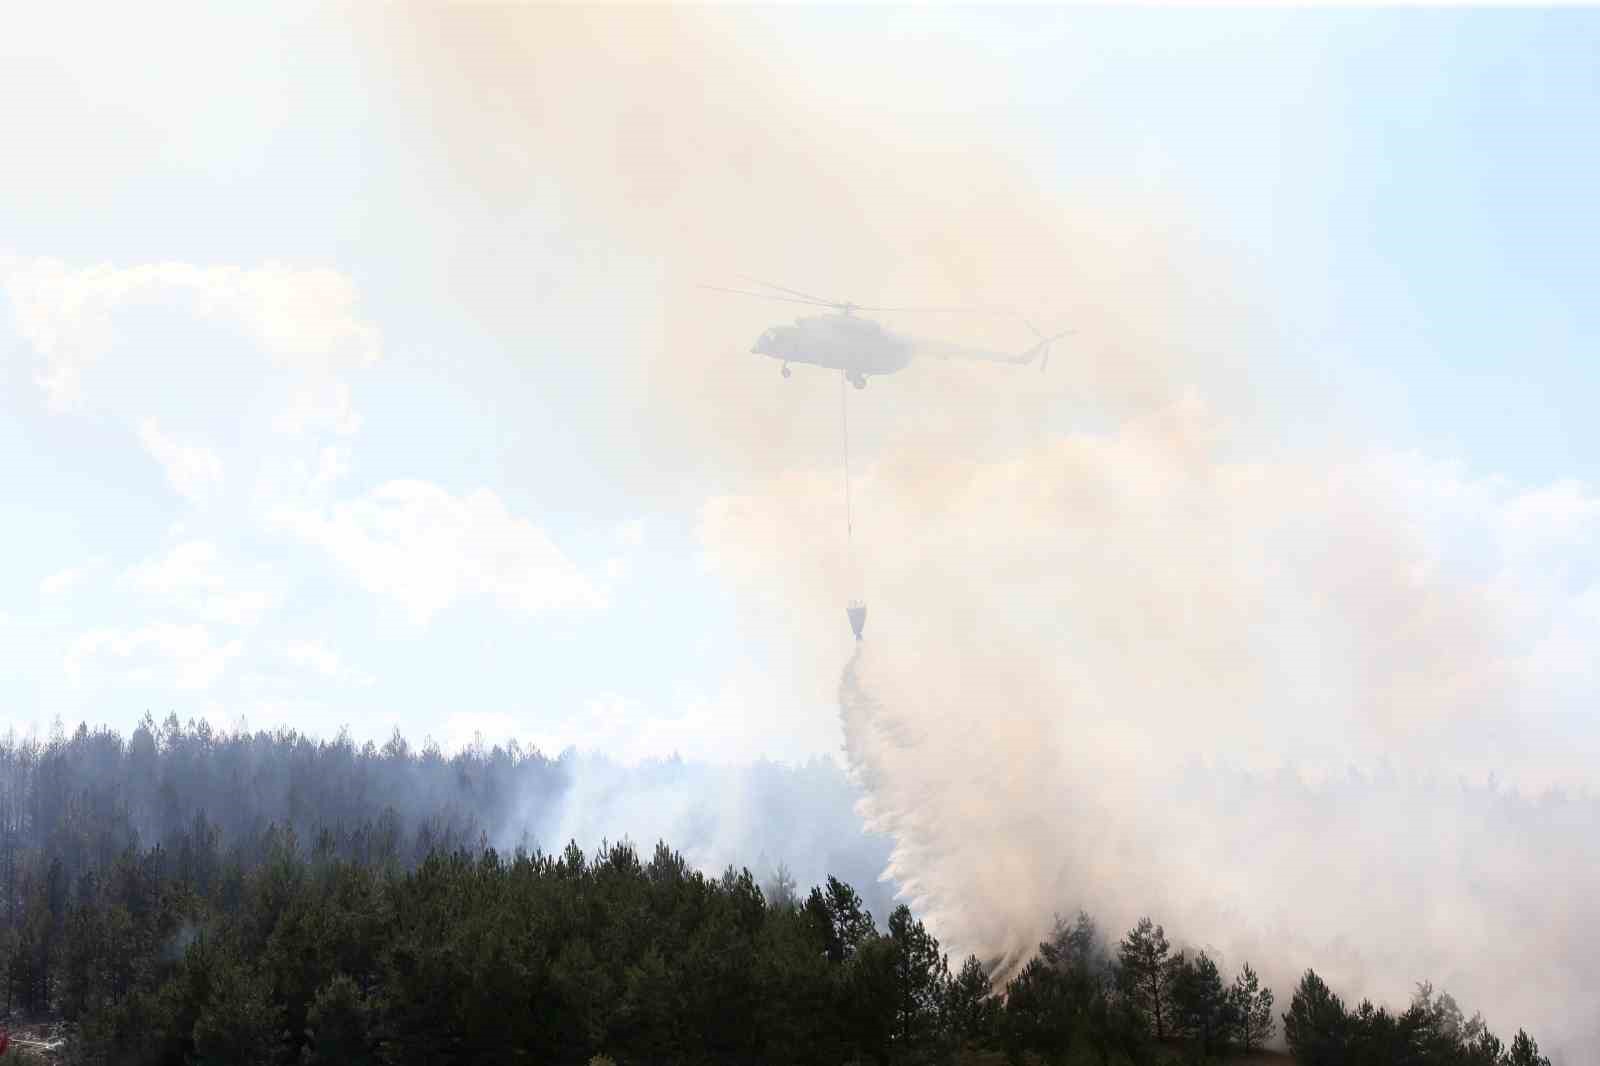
(239, 1024)
(1074, 946)
(870, 1006)
(85, 943)
(1315, 1026)
(840, 918)
(780, 890)
(1038, 1016)
(969, 1006)
(650, 1010)
(1525, 1051)
(1207, 1012)
(357, 950)
(794, 1005)
(337, 1026)
(1144, 957)
(1485, 1050)
(1178, 979)
(1252, 1010)
(920, 977)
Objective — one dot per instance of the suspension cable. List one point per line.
(844, 422)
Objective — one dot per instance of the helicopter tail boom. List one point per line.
(941, 350)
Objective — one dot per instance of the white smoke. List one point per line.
(760, 815)
(1248, 699)
(1124, 644)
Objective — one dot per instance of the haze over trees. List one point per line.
(309, 921)
(87, 795)
(1321, 1031)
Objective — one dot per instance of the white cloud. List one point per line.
(194, 471)
(314, 656)
(425, 548)
(304, 318)
(324, 404)
(630, 534)
(333, 463)
(300, 482)
(623, 729)
(695, 727)
(304, 682)
(63, 583)
(325, 662)
(1563, 514)
(195, 579)
(620, 727)
(182, 656)
(463, 729)
(742, 718)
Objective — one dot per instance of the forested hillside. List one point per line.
(86, 796)
(186, 898)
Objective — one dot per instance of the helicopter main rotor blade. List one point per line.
(850, 305)
(770, 296)
(796, 292)
(921, 310)
(843, 305)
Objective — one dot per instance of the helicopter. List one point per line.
(860, 348)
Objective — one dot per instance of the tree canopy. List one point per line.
(309, 921)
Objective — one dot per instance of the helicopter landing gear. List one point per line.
(785, 369)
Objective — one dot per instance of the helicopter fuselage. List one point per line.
(859, 347)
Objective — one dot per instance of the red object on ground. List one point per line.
(5, 1041)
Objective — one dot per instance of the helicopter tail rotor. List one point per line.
(1043, 347)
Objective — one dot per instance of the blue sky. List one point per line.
(1406, 190)
(1404, 198)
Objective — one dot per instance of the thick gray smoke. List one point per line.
(1376, 879)
(1250, 700)
(1125, 643)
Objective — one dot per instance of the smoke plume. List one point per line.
(1126, 642)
